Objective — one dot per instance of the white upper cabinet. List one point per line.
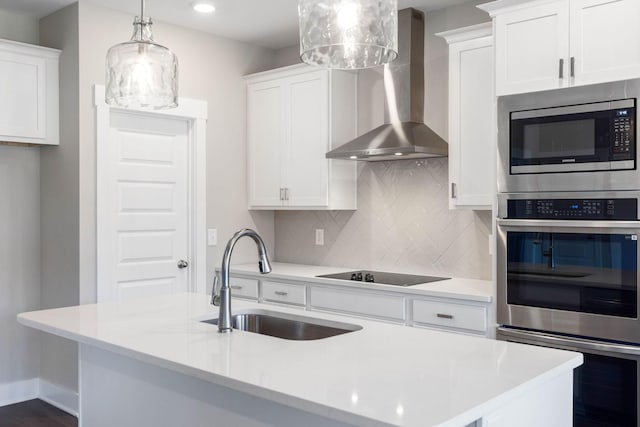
(605, 40)
(294, 116)
(472, 136)
(550, 44)
(28, 93)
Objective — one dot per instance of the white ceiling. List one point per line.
(268, 23)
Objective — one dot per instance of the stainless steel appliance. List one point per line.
(385, 278)
(582, 139)
(605, 386)
(404, 134)
(568, 278)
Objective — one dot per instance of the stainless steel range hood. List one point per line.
(404, 134)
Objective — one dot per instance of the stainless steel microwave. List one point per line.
(569, 140)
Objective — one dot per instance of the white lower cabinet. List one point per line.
(469, 318)
(358, 302)
(284, 293)
(244, 288)
(450, 314)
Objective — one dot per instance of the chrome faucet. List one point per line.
(224, 299)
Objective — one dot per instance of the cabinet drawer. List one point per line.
(358, 302)
(283, 292)
(451, 315)
(244, 288)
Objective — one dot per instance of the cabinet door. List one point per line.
(605, 40)
(23, 103)
(308, 140)
(472, 149)
(532, 48)
(265, 139)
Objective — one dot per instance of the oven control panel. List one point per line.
(587, 209)
(623, 134)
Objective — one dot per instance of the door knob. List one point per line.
(183, 264)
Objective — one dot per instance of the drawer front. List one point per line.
(452, 315)
(284, 293)
(244, 288)
(358, 302)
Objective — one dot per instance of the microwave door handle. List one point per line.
(567, 223)
(577, 344)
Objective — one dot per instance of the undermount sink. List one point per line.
(287, 326)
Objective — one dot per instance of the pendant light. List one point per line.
(140, 72)
(348, 34)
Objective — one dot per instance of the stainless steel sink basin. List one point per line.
(287, 326)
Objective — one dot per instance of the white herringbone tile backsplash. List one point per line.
(402, 224)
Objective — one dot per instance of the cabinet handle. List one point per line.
(561, 72)
(573, 66)
(444, 316)
(281, 193)
(281, 293)
(286, 193)
(237, 287)
(454, 190)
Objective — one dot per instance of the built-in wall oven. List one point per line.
(568, 278)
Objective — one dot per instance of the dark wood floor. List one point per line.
(35, 413)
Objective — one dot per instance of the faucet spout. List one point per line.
(224, 300)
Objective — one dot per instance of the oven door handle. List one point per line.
(567, 223)
(574, 343)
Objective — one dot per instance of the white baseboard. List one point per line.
(60, 397)
(18, 391)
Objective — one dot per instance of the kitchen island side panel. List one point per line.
(119, 391)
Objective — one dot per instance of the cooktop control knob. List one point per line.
(368, 277)
(354, 276)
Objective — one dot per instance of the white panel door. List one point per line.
(532, 49)
(265, 141)
(308, 140)
(147, 206)
(605, 40)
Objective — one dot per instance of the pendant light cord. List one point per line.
(142, 10)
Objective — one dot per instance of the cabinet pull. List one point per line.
(236, 287)
(281, 193)
(561, 72)
(573, 66)
(281, 293)
(454, 190)
(286, 193)
(444, 316)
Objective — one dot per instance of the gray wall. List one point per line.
(19, 242)
(211, 68)
(402, 222)
(60, 200)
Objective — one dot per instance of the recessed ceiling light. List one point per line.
(397, 154)
(353, 157)
(203, 7)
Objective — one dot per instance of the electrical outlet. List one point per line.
(212, 236)
(320, 236)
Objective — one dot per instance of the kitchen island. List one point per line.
(153, 362)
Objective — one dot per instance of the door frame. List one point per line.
(195, 113)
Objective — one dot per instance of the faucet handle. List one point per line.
(215, 295)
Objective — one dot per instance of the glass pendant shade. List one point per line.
(141, 73)
(348, 34)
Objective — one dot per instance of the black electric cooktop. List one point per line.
(384, 278)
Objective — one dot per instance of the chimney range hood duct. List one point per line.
(404, 134)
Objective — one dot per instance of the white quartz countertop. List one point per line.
(381, 375)
(467, 289)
